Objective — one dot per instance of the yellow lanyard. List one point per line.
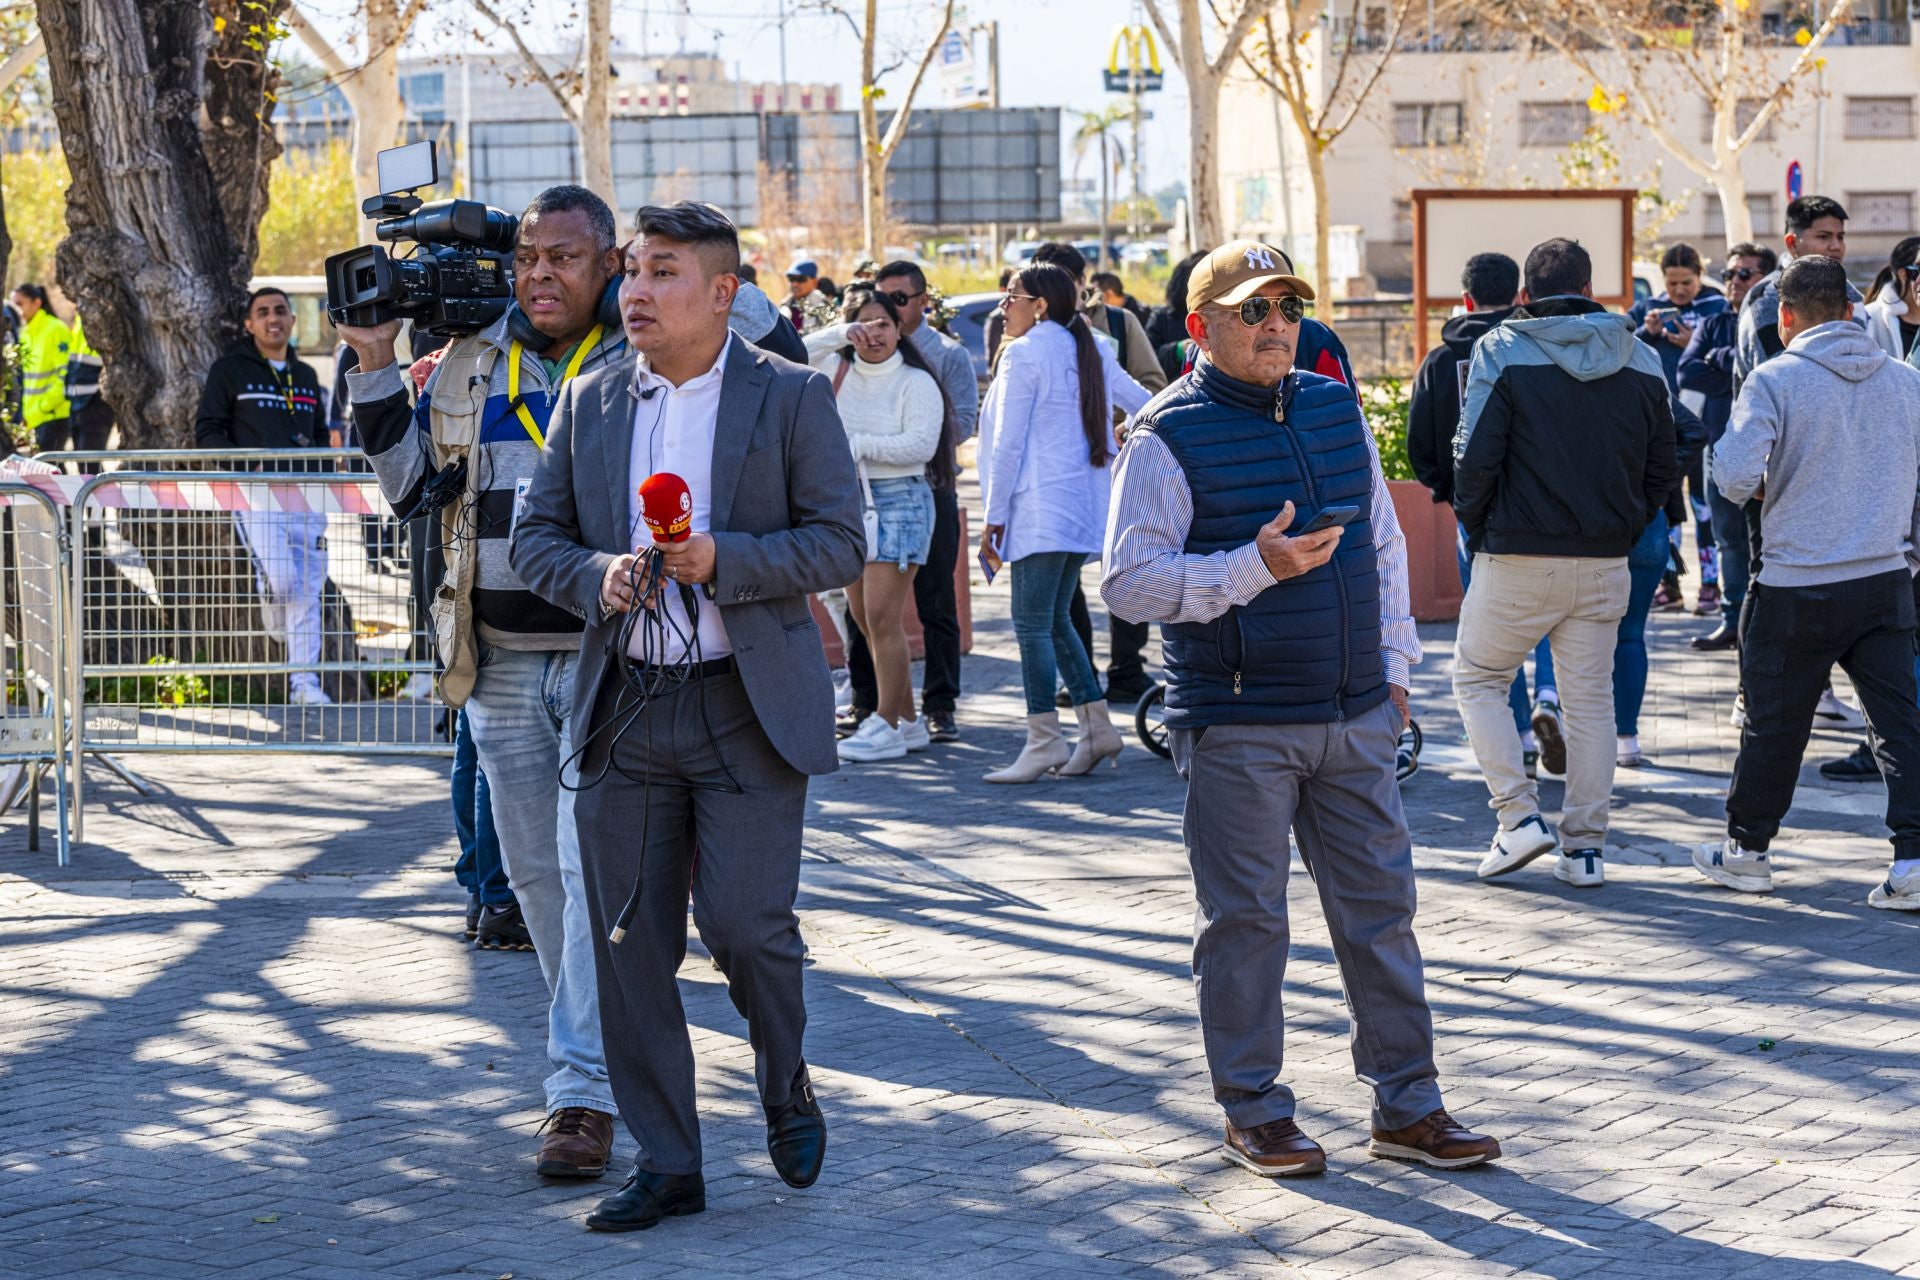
(513, 382)
(283, 380)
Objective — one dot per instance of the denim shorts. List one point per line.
(905, 504)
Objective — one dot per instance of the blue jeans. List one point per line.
(1645, 563)
(1042, 623)
(1542, 653)
(1730, 541)
(518, 715)
(479, 870)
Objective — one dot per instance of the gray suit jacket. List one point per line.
(785, 522)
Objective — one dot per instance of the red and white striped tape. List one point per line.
(316, 497)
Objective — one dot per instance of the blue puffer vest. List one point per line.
(1307, 650)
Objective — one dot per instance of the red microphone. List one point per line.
(667, 507)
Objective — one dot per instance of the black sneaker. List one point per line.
(473, 915)
(941, 726)
(1128, 694)
(1726, 636)
(1857, 767)
(503, 929)
(845, 725)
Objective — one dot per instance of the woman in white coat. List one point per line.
(1893, 301)
(1045, 442)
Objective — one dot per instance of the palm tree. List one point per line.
(1097, 129)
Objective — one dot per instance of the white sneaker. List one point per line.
(874, 740)
(1583, 868)
(1738, 716)
(1835, 714)
(1515, 847)
(1728, 864)
(308, 695)
(914, 733)
(1627, 753)
(1902, 894)
(842, 688)
(419, 687)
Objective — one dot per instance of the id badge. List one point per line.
(520, 488)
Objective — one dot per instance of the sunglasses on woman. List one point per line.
(1254, 311)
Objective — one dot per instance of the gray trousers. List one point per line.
(672, 776)
(1333, 786)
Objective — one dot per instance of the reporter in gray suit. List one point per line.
(739, 710)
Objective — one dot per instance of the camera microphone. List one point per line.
(666, 504)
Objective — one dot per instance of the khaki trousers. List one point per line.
(1512, 602)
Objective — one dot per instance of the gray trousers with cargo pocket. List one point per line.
(1333, 786)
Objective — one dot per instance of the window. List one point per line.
(1742, 117)
(424, 91)
(1879, 118)
(1759, 208)
(1552, 124)
(1889, 211)
(1428, 124)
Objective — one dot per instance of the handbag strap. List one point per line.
(840, 375)
(859, 465)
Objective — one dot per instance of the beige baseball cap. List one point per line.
(1235, 271)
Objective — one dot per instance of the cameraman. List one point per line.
(508, 654)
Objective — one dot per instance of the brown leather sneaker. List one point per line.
(1438, 1140)
(577, 1143)
(1276, 1149)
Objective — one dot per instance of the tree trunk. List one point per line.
(1101, 259)
(596, 107)
(1732, 187)
(374, 94)
(1203, 153)
(873, 162)
(242, 89)
(151, 257)
(1322, 234)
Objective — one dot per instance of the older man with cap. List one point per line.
(1251, 519)
(803, 277)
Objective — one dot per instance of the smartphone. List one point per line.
(1331, 516)
(990, 562)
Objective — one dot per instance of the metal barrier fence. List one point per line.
(35, 705)
(239, 611)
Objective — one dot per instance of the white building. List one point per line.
(499, 87)
(1457, 113)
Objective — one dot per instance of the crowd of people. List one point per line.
(637, 716)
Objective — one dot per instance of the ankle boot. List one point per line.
(1099, 740)
(1045, 751)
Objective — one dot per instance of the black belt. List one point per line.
(687, 670)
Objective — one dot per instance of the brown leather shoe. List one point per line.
(1276, 1149)
(1438, 1140)
(577, 1143)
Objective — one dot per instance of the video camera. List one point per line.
(457, 281)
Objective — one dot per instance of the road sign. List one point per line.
(1793, 181)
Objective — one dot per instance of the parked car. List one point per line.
(969, 325)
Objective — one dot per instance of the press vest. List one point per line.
(1306, 650)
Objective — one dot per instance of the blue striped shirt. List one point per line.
(1149, 577)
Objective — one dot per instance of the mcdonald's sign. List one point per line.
(1140, 67)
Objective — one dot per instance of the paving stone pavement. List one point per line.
(240, 1037)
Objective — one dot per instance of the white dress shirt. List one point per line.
(1150, 577)
(673, 430)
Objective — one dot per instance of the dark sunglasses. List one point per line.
(901, 298)
(1254, 311)
(1745, 273)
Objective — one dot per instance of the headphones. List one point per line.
(520, 328)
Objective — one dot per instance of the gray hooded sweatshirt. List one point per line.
(1832, 426)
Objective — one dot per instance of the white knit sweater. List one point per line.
(891, 411)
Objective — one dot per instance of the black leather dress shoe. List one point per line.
(647, 1197)
(1726, 636)
(797, 1135)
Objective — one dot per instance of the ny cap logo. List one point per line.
(1261, 258)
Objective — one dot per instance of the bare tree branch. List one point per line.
(1251, 11)
(21, 60)
(897, 128)
(1800, 66)
(324, 53)
(569, 105)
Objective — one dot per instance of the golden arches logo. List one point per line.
(1142, 53)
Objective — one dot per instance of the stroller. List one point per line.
(1149, 723)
